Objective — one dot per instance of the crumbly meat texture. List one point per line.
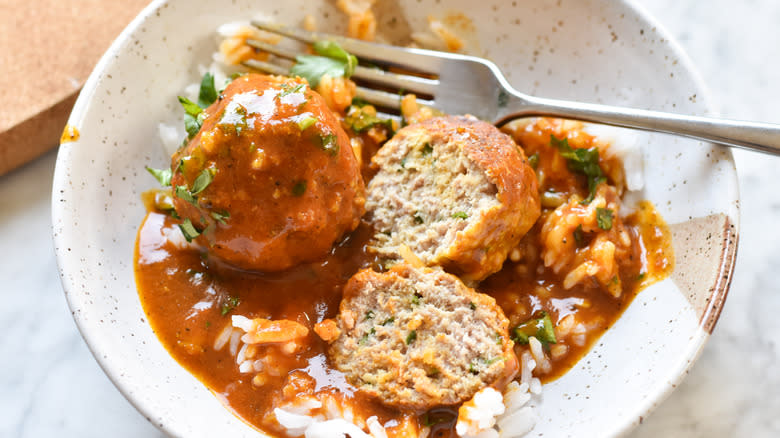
(417, 337)
(284, 185)
(456, 191)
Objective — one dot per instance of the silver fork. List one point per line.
(472, 85)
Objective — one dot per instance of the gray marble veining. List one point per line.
(51, 386)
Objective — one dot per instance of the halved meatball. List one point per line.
(456, 191)
(270, 180)
(418, 338)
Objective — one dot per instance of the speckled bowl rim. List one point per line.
(67, 263)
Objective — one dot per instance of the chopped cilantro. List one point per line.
(473, 369)
(533, 160)
(411, 337)
(584, 161)
(427, 149)
(369, 314)
(208, 93)
(460, 215)
(416, 299)
(220, 217)
(329, 143)
(578, 235)
(191, 108)
(541, 328)
(163, 176)
(499, 338)
(204, 178)
(604, 218)
(299, 188)
(359, 102)
(191, 125)
(229, 304)
(287, 89)
(473, 306)
(388, 321)
(331, 60)
(188, 230)
(641, 276)
(306, 122)
(360, 120)
(184, 194)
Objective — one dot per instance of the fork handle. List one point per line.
(761, 137)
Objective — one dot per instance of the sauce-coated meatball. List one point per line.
(270, 180)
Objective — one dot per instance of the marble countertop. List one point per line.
(51, 385)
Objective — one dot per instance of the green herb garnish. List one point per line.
(204, 178)
(578, 235)
(388, 321)
(184, 194)
(306, 122)
(299, 188)
(418, 219)
(473, 306)
(369, 315)
(287, 89)
(208, 93)
(416, 299)
(220, 217)
(584, 161)
(604, 218)
(163, 176)
(411, 337)
(460, 215)
(359, 102)
(541, 328)
(333, 61)
(427, 149)
(188, 230)
(191, 108)
(329, 143)
(360, 120)
(533, 160)
(230, 304)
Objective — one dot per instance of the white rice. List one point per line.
(491, 415)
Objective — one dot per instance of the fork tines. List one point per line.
(423, 61)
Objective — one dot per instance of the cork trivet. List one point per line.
(47, 50)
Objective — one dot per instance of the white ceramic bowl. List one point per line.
(592, 50)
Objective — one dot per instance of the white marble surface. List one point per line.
(51, 386)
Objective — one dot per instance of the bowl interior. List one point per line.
(590, 50)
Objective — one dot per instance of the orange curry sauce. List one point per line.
(189, 297)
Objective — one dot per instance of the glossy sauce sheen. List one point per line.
(187, 297)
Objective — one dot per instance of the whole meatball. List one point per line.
(270, 180)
